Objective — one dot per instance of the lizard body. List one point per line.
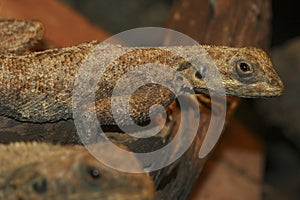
(37, 87)
(36, 171)
(16, 36)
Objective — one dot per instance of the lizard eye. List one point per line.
(94, 173)
(245, 72)
(244, 69)
(90, 174)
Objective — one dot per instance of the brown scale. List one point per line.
(46, 171)
(37, 86)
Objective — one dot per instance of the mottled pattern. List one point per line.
(262, 82)
(31, 171)
(17, 36)
(38, 86)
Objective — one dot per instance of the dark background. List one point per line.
(286, 21)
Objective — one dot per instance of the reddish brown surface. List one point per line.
(228, 22)
(64, 26)
(234, 170)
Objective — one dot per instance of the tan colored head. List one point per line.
(245, 72)
(69, 173)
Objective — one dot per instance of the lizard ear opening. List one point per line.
(201, 72)
(198, 75)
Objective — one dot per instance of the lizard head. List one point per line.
(245, 72)
(73, 173)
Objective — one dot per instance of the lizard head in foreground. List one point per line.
(245, 72)
(43, 171)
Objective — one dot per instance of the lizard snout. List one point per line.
(276, 86)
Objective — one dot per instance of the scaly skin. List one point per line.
(34, 171)
(17, 36)
(38, 87)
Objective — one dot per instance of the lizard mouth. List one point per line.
(274, 92)
(273, 88)
(187, 90)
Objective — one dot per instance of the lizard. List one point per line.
(37, 86)
(16, 36)
(45, 171)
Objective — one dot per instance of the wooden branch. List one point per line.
(226, 22)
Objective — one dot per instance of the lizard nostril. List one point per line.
(277, 84)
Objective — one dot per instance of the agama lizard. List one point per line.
(37, 87)
(32, 171)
